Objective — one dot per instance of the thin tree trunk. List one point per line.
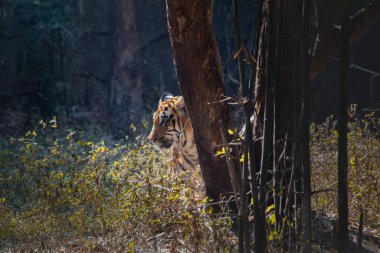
(343, 239)
(360, 233)
(254, 146)
(278, 66)
(126, 102)
(200, 77)
(243, 212)
(305, 103)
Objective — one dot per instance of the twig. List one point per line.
(231, 166)
(322, 190)
(360, 234)
(220, 101)
(355, 66)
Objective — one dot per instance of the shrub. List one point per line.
(61, 188)
(363, 168)
(67, 189)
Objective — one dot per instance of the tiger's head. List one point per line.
(166, 129)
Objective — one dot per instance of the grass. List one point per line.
(65, 189)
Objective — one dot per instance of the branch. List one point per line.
(328, 42)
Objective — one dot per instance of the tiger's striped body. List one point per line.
(172, 129)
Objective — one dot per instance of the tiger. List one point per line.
(172, 130)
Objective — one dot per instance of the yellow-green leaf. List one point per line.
(272, 218)
(131, 244)
(156, 221)
(269, 208)
(60, 175)
(53, 122)
(273, 235)
(352, 161)
(220, 152)
(174, 198)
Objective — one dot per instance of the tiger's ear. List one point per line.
(180, 106)
(165, 97)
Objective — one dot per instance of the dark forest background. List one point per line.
(57, 58)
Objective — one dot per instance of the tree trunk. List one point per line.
(200, 77)
(126, 82)
(278, 71)
(343, 236)
(287, 68)
(305, 114)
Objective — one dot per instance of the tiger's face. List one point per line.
(166, 128)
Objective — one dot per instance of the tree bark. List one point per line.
(343, 233)
(286, 74)
(200, 77)
(305, 114)
(278, 70)
(126, 82)
(287, 70)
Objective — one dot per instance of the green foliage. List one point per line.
(62, 187)
(363, 162)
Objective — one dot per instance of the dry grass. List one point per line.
(363, 171)
(63, 190)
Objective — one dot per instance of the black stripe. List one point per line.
(172, 130)
(185, 142)
(173, 122)
(187, 159)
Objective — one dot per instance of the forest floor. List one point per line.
(325, 229)
(69, 190)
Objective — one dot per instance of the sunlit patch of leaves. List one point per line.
(363, 169)
(63, 186)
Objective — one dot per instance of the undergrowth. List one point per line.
(363, 170)
(65, 189)
(61, 189)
